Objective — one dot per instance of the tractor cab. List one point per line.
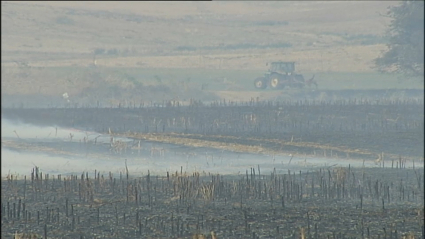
(282, 74)
(282, 67)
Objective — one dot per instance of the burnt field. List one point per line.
(343, 202)
(358, 128)
(263, 200)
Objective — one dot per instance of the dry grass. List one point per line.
(334, 59)
(325, 37)
(25, 236)
(50, 27)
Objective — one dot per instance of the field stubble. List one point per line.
(328, 202)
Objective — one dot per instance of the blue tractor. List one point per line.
(280, 75)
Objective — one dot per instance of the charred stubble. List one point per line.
(345, 202)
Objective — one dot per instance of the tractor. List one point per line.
(280, 75)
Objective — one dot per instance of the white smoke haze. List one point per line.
(23, 161)
(11, 129)
(200, 160)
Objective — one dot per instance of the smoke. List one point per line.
(73, 157)
(21, 161)
(18, 129)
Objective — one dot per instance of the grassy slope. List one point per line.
(227, 44)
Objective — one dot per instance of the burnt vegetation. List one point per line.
(327, 202)
(343, 128)
(324, 203)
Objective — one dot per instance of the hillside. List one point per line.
(49, 47)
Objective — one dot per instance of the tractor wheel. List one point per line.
(275, 81)
(260, 83)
